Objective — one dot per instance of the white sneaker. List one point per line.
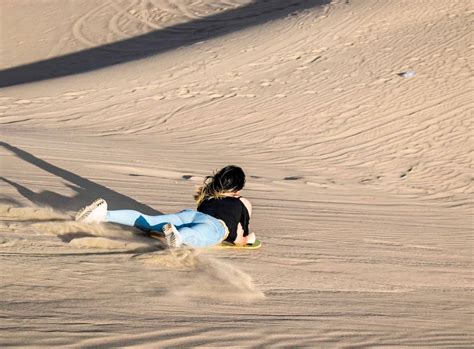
(173, 239)
(93, 213)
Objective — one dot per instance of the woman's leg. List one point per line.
(142, 221)
(202, 231)
(195, 228)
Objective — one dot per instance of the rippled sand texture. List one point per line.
(361, 179)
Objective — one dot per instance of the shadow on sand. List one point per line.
(255, 13)
(85, 189)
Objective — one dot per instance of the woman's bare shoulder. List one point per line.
(247, 204)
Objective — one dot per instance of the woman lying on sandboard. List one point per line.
(222, 215)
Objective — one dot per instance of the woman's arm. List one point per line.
(249, 238)
(247, 205)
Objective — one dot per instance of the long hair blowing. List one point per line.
(228, 179)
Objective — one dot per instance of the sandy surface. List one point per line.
(361, 179)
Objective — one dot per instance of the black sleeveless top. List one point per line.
(229, 209)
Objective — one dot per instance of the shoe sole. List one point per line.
(170, 236)
(85, 212)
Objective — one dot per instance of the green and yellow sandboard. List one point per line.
(255, 246)
(224, 245)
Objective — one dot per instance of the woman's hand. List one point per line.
(241, 239)
(244, 240)
(251, 238)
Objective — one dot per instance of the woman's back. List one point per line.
(231, 210)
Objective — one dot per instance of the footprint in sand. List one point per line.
(76, 94)
(23, 101)
(216, 95)
(292, 178)
(370, 180)
(405, 173)
(185, 93)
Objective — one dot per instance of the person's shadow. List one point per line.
(85, 189)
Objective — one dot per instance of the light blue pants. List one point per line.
(195, 228)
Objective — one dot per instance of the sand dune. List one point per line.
(360, 178)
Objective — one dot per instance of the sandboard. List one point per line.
(255, 246)
(224, 245)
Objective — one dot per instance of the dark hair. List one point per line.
(228, 179)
